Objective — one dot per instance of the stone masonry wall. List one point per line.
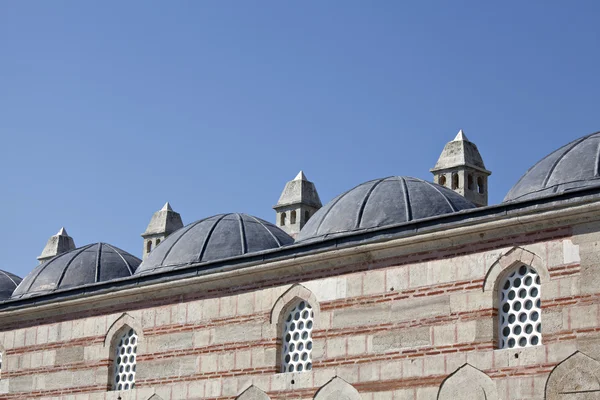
(407, 328)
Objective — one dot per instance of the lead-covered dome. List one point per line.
(98, 262)
(8, 283)
(382, 202)
(573, 166)
(215, 238)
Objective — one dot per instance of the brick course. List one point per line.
(393, 328)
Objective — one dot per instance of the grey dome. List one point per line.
(382, 202)
(215, 238)
(98, 262)
(8, 283)
(573, 166)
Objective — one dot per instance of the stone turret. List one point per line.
(57, 244)
(164, 222)
(461, 168)
(297, 203)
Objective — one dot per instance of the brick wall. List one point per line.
(395, 328)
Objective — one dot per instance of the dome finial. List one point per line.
(300, 176)
(461, 137)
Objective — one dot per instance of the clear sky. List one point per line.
(109, 109)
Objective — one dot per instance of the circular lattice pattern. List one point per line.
(297, 339)
(125, 358)
(520, 309)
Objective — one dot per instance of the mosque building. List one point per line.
(397, 289)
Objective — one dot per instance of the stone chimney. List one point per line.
(461, 168)
(164, 222)
(297, 203)
(57, 244)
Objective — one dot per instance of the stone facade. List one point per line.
(379, 297)
(407, 318)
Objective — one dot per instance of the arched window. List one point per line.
(337, 389)
(125, 360)
(519, 310)
(470, 183)
(157, 242)
(442, 180)
(480, 185)
(253, 393)
(149, 246)
(282, 219)
(577, 377)
(293, 217)
(455, 181)
(467, 382)
(306, 216)
(297, 338)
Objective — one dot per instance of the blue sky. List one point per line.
(109, 109)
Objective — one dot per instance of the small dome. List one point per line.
(98, 262)
(573, 166)
(215, 238)
(382, 202)
(8, 283)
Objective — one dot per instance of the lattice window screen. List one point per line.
(297, 339)
(125, 361)
(520, 309)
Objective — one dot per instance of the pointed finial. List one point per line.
(166, 207)
(62, 232)
(300, 176)
(461, 137)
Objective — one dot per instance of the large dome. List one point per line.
(215, 238)
(98, 262)
(382, 202)
(8, 283)
(573, 166)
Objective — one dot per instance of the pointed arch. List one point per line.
(296, 292)
(337, 389)
(578, 374)
(123, 344)
(507, 261)
(155, 397)
(455, 181)
(122, 323)
(253, 393)
(293, 316)
(518, 271)
(467, 382)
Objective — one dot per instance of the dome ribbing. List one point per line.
(98, 262)
(215, 238)
(573, 166)
(8, 284)
(382, 202)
